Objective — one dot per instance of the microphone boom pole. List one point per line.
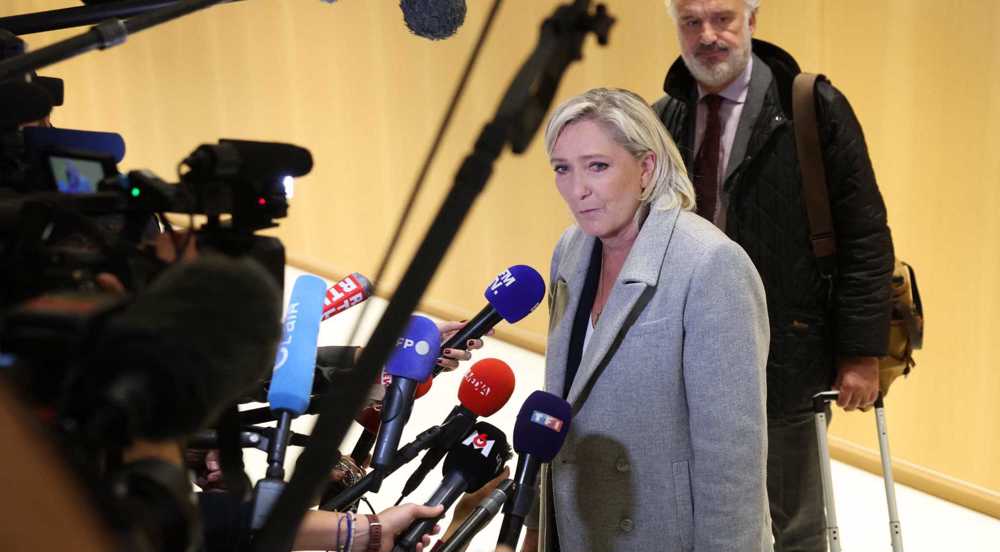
(106, 34)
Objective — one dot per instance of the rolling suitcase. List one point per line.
(820, 400)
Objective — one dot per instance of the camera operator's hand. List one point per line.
(451, 357)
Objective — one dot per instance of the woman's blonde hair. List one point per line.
(632, 124)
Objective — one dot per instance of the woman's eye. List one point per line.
(598, 166)
(560, 169)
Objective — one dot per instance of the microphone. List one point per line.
(485, 511)
(249, 160)
(484, 390)
(433, 19)
(475, 461)
(291, 386)
(511, 296)
(346, 293)
(412, 362)
(370, 418)
(539, 433)
(294, 367)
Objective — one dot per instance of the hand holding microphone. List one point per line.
(511, 296)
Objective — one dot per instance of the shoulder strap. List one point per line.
(814, 189)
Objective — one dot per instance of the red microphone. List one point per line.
(346, 293)
(484, 390)
(486, 387)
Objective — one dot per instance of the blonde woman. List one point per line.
(658, 338)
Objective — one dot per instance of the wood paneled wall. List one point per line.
(348, 81)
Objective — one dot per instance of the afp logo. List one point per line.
(420, 347)
(481, 442)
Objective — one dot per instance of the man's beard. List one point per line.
(721, 73)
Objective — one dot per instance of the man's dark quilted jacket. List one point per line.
(810, 322)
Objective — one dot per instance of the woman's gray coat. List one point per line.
(667, 446)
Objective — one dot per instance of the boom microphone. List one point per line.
(433, 19)
(511, 296)
(539, 433)
(484, 390)
(411, 363)
(350, 291)
(475, 461)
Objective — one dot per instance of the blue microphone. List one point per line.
(411, 363)
(294, 367)
(539, 433)
(511, 296)
(291, 386)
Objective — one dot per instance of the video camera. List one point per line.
(164, 359)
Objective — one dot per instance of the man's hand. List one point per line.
(857, 381)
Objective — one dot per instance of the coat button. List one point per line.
(622, 465)
(626, 525)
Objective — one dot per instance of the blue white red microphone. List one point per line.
(411, 363)
(346, 293)
(539, 433)
(511, 296)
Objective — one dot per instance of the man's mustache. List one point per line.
(711, 48)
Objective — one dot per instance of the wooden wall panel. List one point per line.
(348, 81)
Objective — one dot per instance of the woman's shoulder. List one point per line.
(699, 238)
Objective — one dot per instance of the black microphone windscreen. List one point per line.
(433, 19)
(199, 336)
(480, 456)
(270, 159)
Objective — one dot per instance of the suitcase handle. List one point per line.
(821, 399)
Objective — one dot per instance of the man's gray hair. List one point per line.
(751, 6)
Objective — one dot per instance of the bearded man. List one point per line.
(728, 106)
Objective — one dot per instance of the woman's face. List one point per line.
(599, 180)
